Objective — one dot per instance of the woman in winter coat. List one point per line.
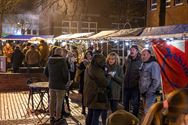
(80, 73)
(115, 72)
(95, 94)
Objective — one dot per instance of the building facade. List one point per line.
(64, 17)
(20, 24)
(176, 12)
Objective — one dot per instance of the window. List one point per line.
(65, 30)
(168, 3)
(28, 31)
(65, 24)
(84, 30)
(74, 24)
(84, 25)
(178, 2)
(153, 4)
(34, 32)
(88, 26)
(93, 25)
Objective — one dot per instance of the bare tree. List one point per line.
(128, 11)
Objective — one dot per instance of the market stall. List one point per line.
(170, 45)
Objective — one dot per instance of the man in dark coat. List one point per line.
(131, 82)
(57, 71)
(95, 94)
(16, 59)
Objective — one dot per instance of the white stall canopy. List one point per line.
(74, 36)
(62, 37)
(127, 32)
(79, 35)
(174, 31)
(102, 34)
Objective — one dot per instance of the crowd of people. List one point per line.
(27, 54)
(103, 82)
(105, 85)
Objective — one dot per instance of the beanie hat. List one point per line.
(135, 46)
(122, 117)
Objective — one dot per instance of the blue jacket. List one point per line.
(150, 77)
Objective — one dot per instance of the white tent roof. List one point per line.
(127, 32)
(74, 36)
(179, 35)
(79, 35)
(62, 37)
(102, 34)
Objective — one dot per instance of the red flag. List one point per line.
(173, 60)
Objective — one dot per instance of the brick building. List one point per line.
(176, 12)
(90, 15)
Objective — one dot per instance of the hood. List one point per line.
(55, 59)
(98, 61)
(151, 59)
(17, 50)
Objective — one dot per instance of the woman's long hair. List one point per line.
(116, 57)
(177, 107)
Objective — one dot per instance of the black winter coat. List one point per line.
(57, 72)
(132, 72)
(17, 58)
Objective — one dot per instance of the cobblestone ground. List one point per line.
(13, 110)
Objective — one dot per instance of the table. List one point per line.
(42, 85)
(40, 88)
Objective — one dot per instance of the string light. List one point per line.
(63, 43)
(101, 41)
(146, 45)
(115, 41)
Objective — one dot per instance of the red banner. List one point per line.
(173, 60)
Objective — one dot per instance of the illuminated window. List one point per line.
(178, 2)
(153, 4)
(168, 3)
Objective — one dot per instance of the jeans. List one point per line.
(56, 100)
(93, 116)
(132, 96)
(149, 100)
(113, 105)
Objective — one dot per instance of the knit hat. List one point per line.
(122, 117)
(135, 46)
